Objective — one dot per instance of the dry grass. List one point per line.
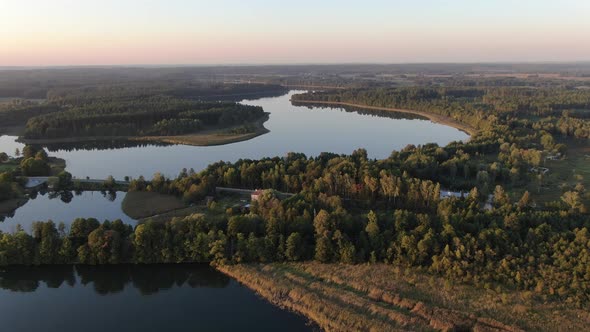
(385, 298)
(141, 204)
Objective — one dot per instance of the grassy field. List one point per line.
(214, 211)
(382, 297)
(141, 204)
(575, 168)
(9, 166)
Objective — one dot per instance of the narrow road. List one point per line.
(248, 191)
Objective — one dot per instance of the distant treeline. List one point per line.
(18, 112)
(448, 101)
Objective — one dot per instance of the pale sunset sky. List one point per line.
(168, 32)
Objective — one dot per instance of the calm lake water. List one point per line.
(134, 298)
(310, 130)
(67, 206)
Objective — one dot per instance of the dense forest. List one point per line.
(18, 111)
(138, 109)
(347, 209)
(512, 244)
(559, 110)
(150, 116)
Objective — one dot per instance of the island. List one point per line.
(200, 115)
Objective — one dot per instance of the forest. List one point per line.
(380, 217)
(151, 116)
(161, 108)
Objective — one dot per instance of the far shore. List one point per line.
(210, 137)
(444, 120)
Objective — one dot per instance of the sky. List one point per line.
(169, 32)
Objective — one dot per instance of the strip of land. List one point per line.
(210, 137)
(432, 117)
(380, 297)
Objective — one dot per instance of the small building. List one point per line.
(448, 194)
(256, 194)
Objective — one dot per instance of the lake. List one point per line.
(67, 206)
(310, 130)
(134, 298)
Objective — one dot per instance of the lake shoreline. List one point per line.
(378, 297)
(436, 118)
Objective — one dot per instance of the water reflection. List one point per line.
(134, 298)
(64, 196)
(65, 206)
(102, 145)
(363, 111)
(112, 279)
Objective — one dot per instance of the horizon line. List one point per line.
(253, 64)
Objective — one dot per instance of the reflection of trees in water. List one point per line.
(101, 145)
(242, 96)
(111, 195)
(65, 196)
(111, 279)
(5, 215)
(363, 111)
(28, 278)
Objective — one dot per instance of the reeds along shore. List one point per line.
(343, 298)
